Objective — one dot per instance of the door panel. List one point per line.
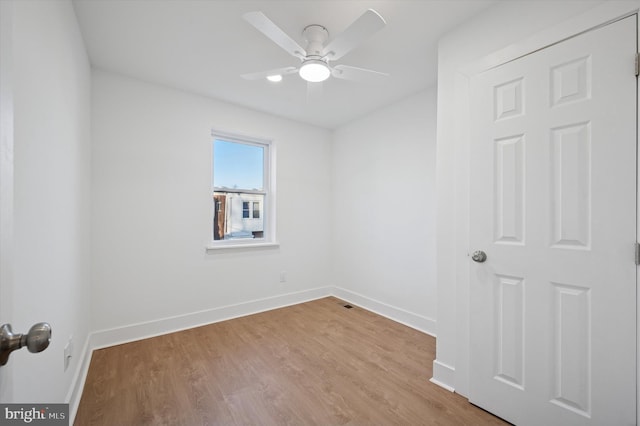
(553, 199)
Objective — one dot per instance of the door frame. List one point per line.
(457, 376)
(6, 183)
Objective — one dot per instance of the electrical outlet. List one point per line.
(68, 353)
(283, 276)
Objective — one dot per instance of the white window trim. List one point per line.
(269, 205)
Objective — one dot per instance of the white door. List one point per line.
(6, 186)
(553, 205)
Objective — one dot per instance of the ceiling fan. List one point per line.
(315, 58)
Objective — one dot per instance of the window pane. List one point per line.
(232, 219)
(238, 165)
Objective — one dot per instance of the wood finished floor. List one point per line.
(316, 363)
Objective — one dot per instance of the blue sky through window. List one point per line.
(237, 165)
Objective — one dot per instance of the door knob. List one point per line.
(36, 340)
(479, 256)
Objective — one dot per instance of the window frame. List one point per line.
(269, 192)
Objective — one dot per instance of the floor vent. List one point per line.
(348, 306)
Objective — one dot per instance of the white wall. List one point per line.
(384, 207)
(151, 201)
(52, 209)
(502, 32)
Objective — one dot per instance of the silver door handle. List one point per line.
(479, 256)
(36, 340)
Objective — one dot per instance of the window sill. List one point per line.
(245, 246)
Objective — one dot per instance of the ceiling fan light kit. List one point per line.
(315, 58)
(314, 71)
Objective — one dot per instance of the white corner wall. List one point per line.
(151, 177)
(502, 32)
(383, 208)
(51, 89)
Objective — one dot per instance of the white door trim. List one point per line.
(6, 183)
(456, 377)
(605, 14)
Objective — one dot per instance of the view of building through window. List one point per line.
(239, 190)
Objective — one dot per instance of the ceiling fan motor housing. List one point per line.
(316, 37)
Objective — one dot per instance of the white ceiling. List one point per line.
(202, 46)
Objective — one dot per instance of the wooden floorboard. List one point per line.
(316, 363)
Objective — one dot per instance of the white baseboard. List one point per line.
(144, 330)
(418, 322)
(443, 375)
(79, 378)
(115, 336)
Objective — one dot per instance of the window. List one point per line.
(243, 207)
(251, 214)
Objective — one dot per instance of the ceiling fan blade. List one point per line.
(360, 30)
(264, 74)
(263, 24)
(354, 73)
